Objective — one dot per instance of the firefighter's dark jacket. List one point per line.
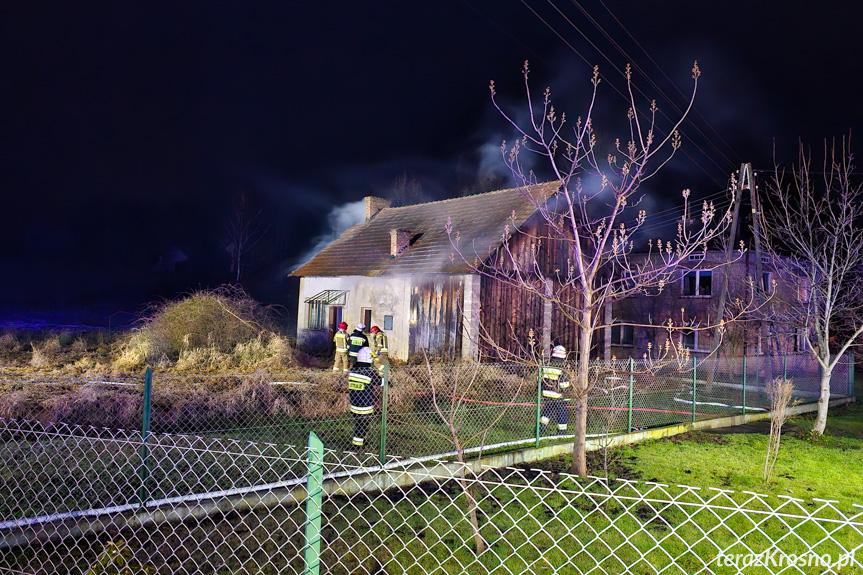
(362, 380)
(356, 341)
(554, 378)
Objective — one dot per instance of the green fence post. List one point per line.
(744, 385)
(694, 385)
(385, 384)
(144, 468)
(757, 380)
(850, 375)
(631, 385)
(785, 367)
(314, 505)
(538, 403)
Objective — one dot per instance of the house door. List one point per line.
(335, 318)
(333, 321)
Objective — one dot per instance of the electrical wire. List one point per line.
(559, 35)
(647, 76)
(661, 71)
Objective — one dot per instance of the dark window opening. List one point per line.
(697, 283)
(622, 335)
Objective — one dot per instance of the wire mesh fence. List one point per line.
(421, 409)
(214, 505)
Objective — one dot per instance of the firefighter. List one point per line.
(357, 341)
(363, 381)
(380, 353)
(341, 341)
(554, 382)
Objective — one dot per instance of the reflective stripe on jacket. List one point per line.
(357, 340)
(361, 385)
(553, 379)
(341, 341)
(358, 381)
(380, 340)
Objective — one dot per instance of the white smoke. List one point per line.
(339, 220)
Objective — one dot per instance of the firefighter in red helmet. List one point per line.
(379, 348)
(341, 341)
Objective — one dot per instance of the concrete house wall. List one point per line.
(388, 296)
(384, 296)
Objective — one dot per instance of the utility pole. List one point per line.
(745, 180)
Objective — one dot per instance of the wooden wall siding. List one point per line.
(436, 316)
(507, 314)
(551, 254)
(505, 308)
(563, 330)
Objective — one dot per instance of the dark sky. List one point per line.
(130, 130)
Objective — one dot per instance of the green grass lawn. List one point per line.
(829, 467)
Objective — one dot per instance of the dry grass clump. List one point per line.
(207, 331)
(24, 402)
(407, 390)
(54, 354)
(96, 405)
(9, 344)
(46, 353)
(240, 401)
(189, 404)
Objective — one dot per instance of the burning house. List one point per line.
(398, 270)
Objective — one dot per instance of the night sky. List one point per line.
(131, 130)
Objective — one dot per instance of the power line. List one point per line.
(649, 80)
(647, 76)
(550, 27)
(661, 71)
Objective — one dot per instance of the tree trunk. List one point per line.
(582, 385)
(471, 506)
(579, 445)
(823, 402)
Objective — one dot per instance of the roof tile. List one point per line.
(364, 249)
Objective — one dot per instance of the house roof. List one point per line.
(364, 249)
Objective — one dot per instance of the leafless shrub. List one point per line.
(780, 391)
(214, 330)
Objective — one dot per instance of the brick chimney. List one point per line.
(400, 240)
(374, 205)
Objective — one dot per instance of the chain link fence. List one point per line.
(422, 409)
(77, 500)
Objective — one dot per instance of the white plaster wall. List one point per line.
(385, 296)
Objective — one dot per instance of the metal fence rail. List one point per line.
(226, 506)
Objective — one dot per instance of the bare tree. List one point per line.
(814, 230)
(594, 222)
(453, 392)
(243, 232)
